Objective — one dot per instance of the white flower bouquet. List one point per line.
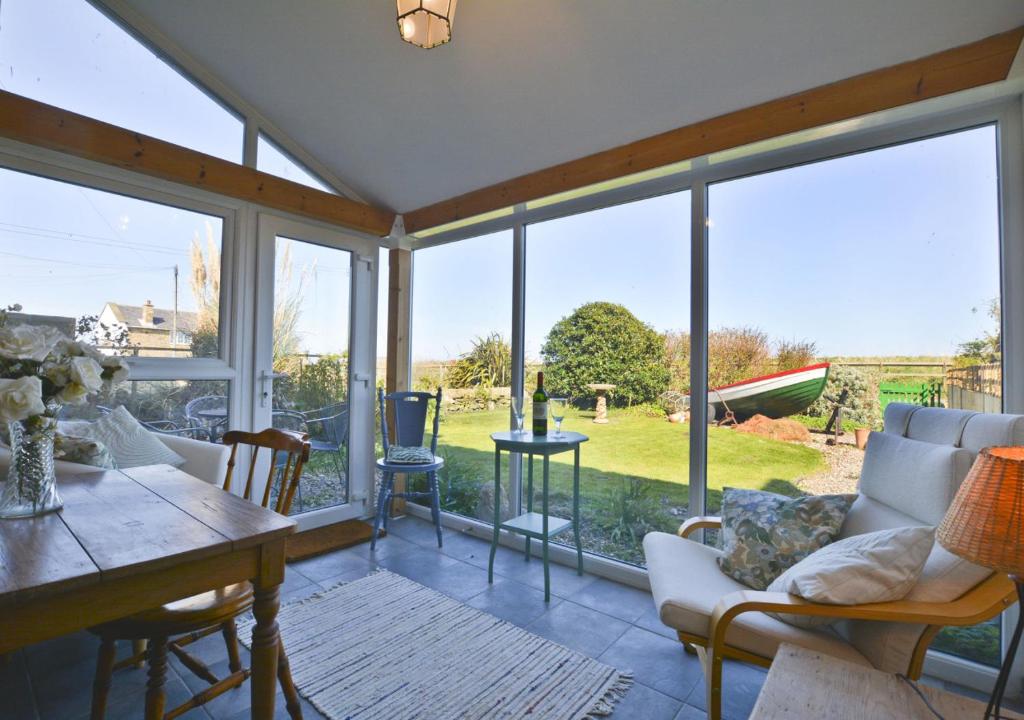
(42, 370)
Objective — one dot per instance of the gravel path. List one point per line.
(844, 462)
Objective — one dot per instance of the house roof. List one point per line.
(131, 316)
(526, 84)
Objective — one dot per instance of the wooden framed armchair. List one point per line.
(911, 473)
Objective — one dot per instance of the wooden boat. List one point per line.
(777, 395)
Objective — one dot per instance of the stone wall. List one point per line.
(458, 400)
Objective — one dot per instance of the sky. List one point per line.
(67, 250)
(889, 252)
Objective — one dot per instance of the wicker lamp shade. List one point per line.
(985, 522)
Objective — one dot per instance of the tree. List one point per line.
(204, 280)
(602, 342)
(986, 349)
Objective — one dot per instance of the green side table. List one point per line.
(538, 526)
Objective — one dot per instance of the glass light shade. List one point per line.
(426, 23)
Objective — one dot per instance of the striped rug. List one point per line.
(387, 648)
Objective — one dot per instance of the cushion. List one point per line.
(410, 455)
(897, 417)
(917, 478)
(940, 426)
(765, 534)
(686, 585)
(873, 567)
(82, 450)
(130, 443)
(986, 429)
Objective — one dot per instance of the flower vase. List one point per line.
(31, 487)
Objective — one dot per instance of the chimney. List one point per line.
(147, 313)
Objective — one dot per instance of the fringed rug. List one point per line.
(387, 648)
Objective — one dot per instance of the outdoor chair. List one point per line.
(410, 416)
(328, 433)
(911, 473)
(172, 627)
(209, 412)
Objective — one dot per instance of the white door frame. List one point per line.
(362, 361)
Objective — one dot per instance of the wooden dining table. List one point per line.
(131, 540)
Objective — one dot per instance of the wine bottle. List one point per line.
(540, 407)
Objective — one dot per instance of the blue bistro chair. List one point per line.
(408, 455)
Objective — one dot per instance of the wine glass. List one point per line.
(517, 413)
(558, 407)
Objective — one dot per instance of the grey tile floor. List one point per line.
(608, 621)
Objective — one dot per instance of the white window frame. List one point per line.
(907, 125)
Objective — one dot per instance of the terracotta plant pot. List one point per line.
(861, 437)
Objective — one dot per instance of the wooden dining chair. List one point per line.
(171, 627)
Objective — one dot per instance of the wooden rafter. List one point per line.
(36, 123)
(968, 66)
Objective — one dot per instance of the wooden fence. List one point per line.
(977, 387)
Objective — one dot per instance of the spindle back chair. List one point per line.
(295, 447)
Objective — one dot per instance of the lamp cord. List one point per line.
(916, 689)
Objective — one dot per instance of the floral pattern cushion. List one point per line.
(764, 534)
(82, 450)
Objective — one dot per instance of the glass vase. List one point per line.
(31, 487)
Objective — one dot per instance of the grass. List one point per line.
(634, 473)
(645, 448)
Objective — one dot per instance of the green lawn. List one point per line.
(634, 471)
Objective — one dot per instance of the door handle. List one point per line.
(265, 386)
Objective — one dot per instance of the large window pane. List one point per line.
(67, 53)
(884, 264)
(145, 277)
(462, 310)
(272, 159)
(607, 297)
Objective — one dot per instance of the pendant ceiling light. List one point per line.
(427, 23)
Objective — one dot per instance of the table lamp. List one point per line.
(985, 524)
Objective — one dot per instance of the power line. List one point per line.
(80, 264)
(75, 237)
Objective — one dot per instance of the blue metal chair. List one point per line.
(410, 416)
(328, 433)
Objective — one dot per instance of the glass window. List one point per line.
(68, 54)
(607, 301)
(272, 159)
(196, 409)
(143, 279)
(312, 294)
(462, 314)
(879, 271)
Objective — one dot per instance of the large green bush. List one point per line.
(602, 342)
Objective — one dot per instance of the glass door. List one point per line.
(316, 320)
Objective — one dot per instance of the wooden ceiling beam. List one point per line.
(968, 66)
(36, 123)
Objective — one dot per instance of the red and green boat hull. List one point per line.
(777, 395)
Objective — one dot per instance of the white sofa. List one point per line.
(204, 460)
(911, 472)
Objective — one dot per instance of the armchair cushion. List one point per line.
(915, 477)
(687, 584)
(765, 534)
(874, 567)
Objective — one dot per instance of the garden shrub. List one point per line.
(488, 364)
(602, 342)
(736, 354)
(861, 405)
(793, 354)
